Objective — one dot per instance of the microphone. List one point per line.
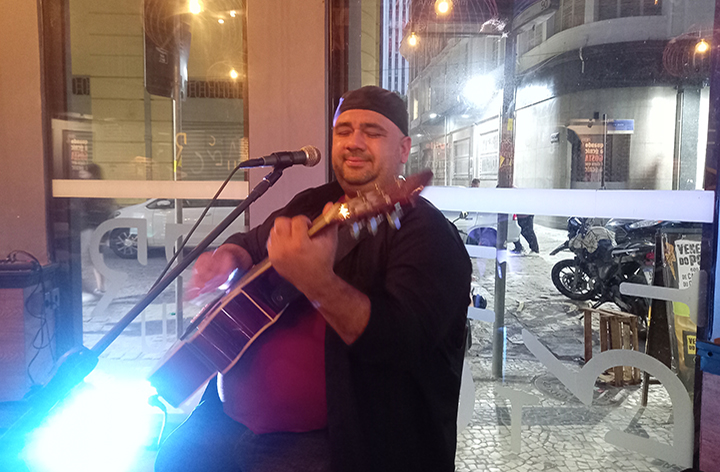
(307, 156)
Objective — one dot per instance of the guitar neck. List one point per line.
(390, 199)
(320, 223)
(324, 220)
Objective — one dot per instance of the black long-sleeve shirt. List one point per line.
(392, 395)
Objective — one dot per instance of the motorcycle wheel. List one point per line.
(572, 281)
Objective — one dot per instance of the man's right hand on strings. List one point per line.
(212, 269)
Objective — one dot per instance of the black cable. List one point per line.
(197, 223)
(43, 336)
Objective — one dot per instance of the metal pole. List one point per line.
(177, 165)
(147, 101)
(448, 179)
(498, 354)
(177, 130)
(505, 179)
(677, 151)
(602, 174)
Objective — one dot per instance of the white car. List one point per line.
(160, 212)
(480, 229)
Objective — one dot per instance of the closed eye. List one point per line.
(373, 131)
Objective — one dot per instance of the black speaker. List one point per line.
(166, 30)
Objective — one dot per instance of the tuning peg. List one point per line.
(373, 225)
(393, 220)
(355, 228)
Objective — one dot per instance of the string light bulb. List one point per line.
(195, 7)
(221, 21)
(233, 74)
(233, 13)
(443, 7)
(413, 39)
(702, 46)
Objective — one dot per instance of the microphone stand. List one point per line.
(77, 363)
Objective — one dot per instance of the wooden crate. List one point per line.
(618, 330)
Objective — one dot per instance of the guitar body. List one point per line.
(221, 333)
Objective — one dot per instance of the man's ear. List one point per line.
(405, 145)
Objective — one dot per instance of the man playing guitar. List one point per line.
(363, 373)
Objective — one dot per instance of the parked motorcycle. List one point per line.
(600, 265)
(636, 230)
(573, 277)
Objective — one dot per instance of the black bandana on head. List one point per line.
(379, 100)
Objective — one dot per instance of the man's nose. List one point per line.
(357, 140)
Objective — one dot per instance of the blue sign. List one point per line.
(621, 125)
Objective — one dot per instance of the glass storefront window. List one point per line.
(596, 113)
(153, 121)
(123, 59)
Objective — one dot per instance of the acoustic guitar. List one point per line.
(224, 329)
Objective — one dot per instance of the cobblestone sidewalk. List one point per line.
(559, 433)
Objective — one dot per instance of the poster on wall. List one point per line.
(439, 163)
(593, 155)
(486, 150)
(682, 260)
(77, 151)
(688, 261)
(599, 147)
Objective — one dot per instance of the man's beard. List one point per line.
(355, 176)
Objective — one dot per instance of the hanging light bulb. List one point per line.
(195, 6)
(702, 46)
(443, 7)
(233, 74)
(413, 39)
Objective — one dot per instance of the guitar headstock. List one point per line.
(387, 202)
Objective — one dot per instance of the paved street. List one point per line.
(559, 433)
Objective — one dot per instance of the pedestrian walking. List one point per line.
(528, 232)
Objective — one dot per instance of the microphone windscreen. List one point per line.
(313, 155)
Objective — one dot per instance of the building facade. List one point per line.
(589, 75)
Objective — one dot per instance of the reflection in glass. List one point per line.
(597, 105)
(123, 74)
